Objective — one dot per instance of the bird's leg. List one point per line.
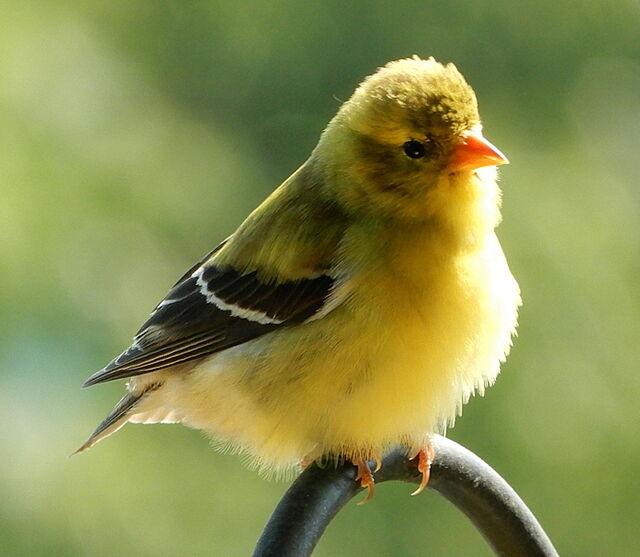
(425, 458)
(365, 477)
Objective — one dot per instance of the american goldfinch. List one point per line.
(358, 307)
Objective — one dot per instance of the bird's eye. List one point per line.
(414, 149)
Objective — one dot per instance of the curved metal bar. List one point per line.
(457, 474)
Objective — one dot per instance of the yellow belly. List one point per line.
(394, 363)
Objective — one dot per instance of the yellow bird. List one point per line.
(358, 307)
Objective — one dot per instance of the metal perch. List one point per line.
(457, 474)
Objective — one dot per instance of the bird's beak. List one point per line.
(476, 152)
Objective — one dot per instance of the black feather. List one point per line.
(189, 325)
(127, 403)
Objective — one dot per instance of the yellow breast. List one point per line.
(418, 334)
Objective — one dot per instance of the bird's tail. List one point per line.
(118, 417)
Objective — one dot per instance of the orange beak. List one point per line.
(476, 152)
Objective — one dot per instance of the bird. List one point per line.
(358, 308)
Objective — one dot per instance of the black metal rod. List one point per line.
(457, 474)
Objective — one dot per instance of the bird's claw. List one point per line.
(365, 477)
(425, 458)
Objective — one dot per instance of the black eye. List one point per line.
(414, 149)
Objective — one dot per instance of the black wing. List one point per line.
(213, 308)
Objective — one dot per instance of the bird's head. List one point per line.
(408, 144)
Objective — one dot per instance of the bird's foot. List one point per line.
(365, 476)
(425, 458)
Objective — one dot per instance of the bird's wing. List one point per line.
(214, 307)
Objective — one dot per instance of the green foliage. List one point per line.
(136, 135)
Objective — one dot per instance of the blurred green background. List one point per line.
(136, 135)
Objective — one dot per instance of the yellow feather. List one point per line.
(427, 320)
(424, 305)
